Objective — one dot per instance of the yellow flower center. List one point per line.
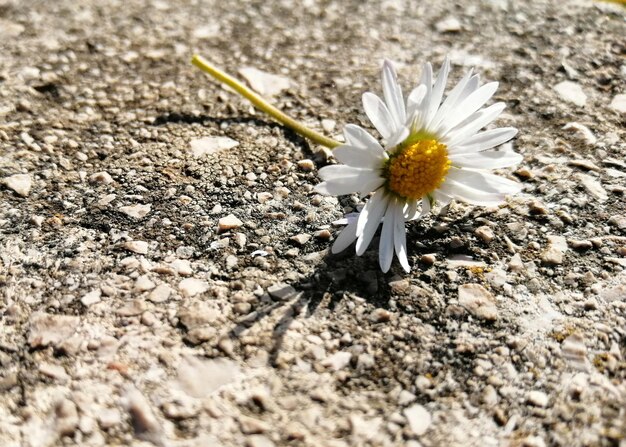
(418, 169)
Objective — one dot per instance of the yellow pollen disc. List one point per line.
(418, 169)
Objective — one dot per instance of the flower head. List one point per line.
(432, 151)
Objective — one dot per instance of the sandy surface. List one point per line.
(130, 317)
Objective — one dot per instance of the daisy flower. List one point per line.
(432, 151)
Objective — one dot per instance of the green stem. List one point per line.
(262, 104)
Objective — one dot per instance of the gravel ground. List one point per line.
(164, 261)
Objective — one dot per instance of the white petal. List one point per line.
(358, 157)
(369, 220)
(470, 195)
(410, 210)
(397, 137)
(385, 249)
(483, 181)
(399, 237)
(437, 93)
(473, 124)
(449, 103)
(345, 238)
(427, 81)
(371, 185)
(393, 94)
(341, 171)
(379, 115)
(338, 185)
(357, 136)
(414, 100)
(487, 160)
(484, 140)
(470, 105)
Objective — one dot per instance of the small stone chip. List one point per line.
(191, 287)
(478, 301)
(211, 145)
(571, 92)
(229, 222)
(538, 399)
(485, 233)
(300, 239)
(101, 177)
(20, 183)
(281, 291)
(419, 419)
(136, 211)
(139, 247)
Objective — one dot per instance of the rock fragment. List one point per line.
(264, 83)
(136, 211)
(139, 247)
(538, 398)
(145, 424)
(281, 291)
(448, 25)
(210, 145)
(192, 286)
(200, 378)
(619, 103)
(92, 297)
(571, 92)
(21, 184)
(593, 186)
(478, 301)
(50, 330)
(66, 417)
(229, 222)
(338, 360)
(419, 419)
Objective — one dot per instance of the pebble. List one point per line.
(160, 294)
(143, 284)
(210, 145)
(139, 247)
(229, 222)
(380, 315)
(593, 186)
(419, 419)
(306, 165)
(136, 211)
(50, 330)
(192, 286)
(300, 239)
(338, 360)
(101, 177)
(619, 103)
(328, 125)
(448, 25)
(20, 183)
(485, 233)
(92, 297)
(263, 197)
(554, 254)
(478, 301)
(618, 220)
(182, 267)
(266, 84)
(132, 309)
(281, 291)
(571, 92)
(538, 398)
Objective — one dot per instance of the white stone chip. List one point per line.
(571, 92)
(338, 360)
(448, 25)
(419, 419)
(139, 247)
(478, 301)
(619, 103)
(593, 187)
(264, 83)
(229, 222)
(136, 211)
(192, 286)
(20, 183)
(92, 297)
(210, 145)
